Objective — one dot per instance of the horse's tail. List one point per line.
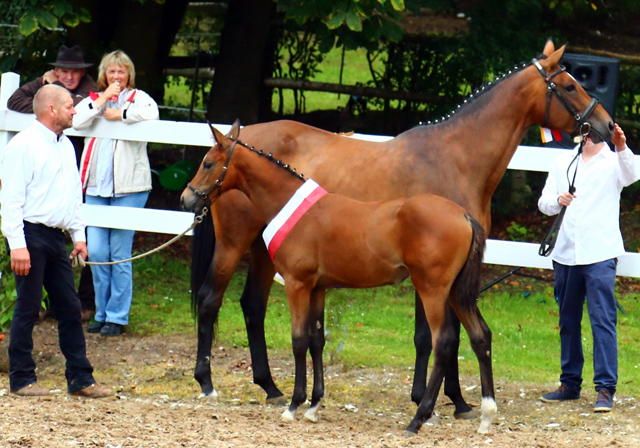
(202, 246)
(466, 287)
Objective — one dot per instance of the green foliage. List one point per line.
(628, 101)
(518, 232)
(433, 66)
(7, 289)
(352, 23)
(47, 14)
(297, 57)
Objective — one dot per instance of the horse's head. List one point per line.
(568, 107)
(207, 184)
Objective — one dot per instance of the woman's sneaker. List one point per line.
(111, 329)
(562, 393)
(95, 327)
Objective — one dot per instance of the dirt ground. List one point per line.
(156, 405)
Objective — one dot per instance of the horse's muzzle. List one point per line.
(602, 135)
(189, 203)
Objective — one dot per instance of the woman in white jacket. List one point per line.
(114, 172)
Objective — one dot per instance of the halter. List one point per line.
(217, 186)
(582, 125)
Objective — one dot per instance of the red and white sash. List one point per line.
(280, 226)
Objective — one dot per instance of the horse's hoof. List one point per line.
(288, 416)
(213, 396)
(312, 414)
(434, 420)
(408, 433)
(470, 415)
(277, 401)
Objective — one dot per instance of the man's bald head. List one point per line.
(53, 107)
(49, 95)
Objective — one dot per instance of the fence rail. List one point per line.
(527, 158)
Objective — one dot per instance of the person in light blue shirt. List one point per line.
(585, 259)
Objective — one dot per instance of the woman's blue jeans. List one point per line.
(113, 284)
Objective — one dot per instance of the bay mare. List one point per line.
(461, 158)
(342, 241)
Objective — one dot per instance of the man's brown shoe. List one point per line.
(33, 390)
(93, 391)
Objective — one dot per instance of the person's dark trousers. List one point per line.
(50, 267)
(85, 290)
(595, 282)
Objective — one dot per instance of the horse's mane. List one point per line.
(277, 162)
(482, 90)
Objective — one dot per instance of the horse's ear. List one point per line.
(554, 58)
(549, 48)
(234, 131)
(217, 135)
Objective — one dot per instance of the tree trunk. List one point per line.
(246, 54)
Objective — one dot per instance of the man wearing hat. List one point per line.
(69, 72)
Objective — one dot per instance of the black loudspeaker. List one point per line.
(598, 75)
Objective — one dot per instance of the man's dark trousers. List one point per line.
(595, 282)
(50, 267)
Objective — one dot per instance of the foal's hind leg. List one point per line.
(316, 347)
(422, 342)
(443, 335)
(451, 378)
(480, 338)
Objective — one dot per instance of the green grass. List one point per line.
(356, 70)
(375, 326)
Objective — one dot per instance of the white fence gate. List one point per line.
(509, 253)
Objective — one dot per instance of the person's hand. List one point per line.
(49, 77)
(619, 139)
(80, 247)
(112, 91)
(20, 261)
(112, 114)
(565, 198)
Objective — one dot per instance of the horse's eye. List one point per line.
(571, 88)
(207, 165)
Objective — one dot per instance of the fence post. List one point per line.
(8, 84)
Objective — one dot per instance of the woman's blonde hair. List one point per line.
(120, 58)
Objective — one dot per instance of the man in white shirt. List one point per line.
(585, 259)
(41, 196)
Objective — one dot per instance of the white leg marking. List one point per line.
(212, 396)
(312, 413)
(489, 411)
(288, 416)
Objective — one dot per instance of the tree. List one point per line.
(98, 27)
(249, 40)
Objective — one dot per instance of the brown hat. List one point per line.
(70, 58)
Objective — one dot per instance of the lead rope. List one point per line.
(549, 242)
(79, 261)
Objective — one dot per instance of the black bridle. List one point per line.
(218, 185)
(583, 127)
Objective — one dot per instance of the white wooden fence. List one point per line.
(509, 253)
